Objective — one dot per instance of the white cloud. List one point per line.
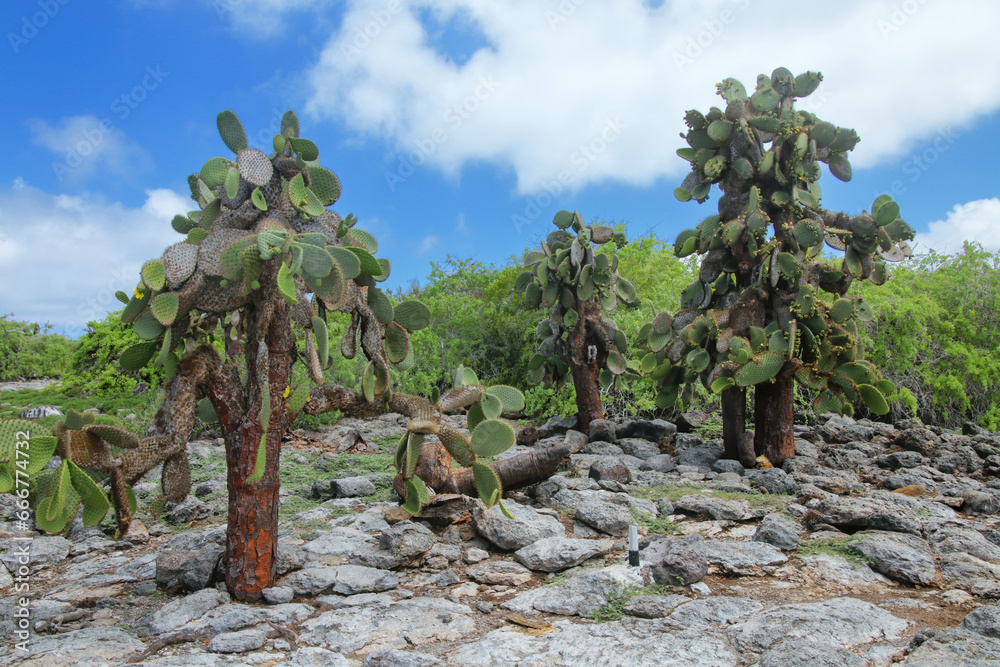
(428, 243)
(976, 221)
(88, 145)
(596, 91)
(260, 19)
(63, 257)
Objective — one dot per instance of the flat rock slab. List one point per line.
(183, 610)
(717, 508)
(654, 606)
(954, 647)
(90, 646)
(719, 610)
(631, 642)
(742, 557)
(868, 514)
(341, 579)
(527, 526)
(553, 554)
(393, 625)
(807, 653)
(585, 591)
(900, 556)
(840, 622)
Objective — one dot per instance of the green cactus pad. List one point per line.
(512, 399)
(380, 304)
(260, 462)
(840, 166)
(616, 362)
(325, 184)
(823, 134)
(806, 83)
(95, 501)
(416, 496)
(206, 411)
(164, 307)
(349, 263)
(290, 124)
(231, 130)
(386, 269)
(397, 342)
(182, 224)
(304, 148)
(369, 265)
(322, 340)
(842, 310)
(137, 356)
(286, 284)
(361, 239)
(491, 437)
(147, 327)
(487, 484)
(885, 212)
(414, 442)
(412, 315)
(368, 382)
(154, 274)
(298, 398)
(761, 368)
(316, 261)
(808, 233)
(720, 130)
(857, 372)
(789, 266)
(491, 406)
(874, 399)
(563, 219)
(213, 172)
(845, 140)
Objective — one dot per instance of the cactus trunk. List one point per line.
(774, 415)
(734, 417)
(586, 368)
(252, 532)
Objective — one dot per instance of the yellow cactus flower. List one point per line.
(288, 391)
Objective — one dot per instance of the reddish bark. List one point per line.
(774, 415)
(734, 417)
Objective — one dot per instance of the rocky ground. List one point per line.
(875, 545)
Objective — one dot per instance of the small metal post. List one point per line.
(633, 546)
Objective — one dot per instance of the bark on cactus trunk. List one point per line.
(252, 532)
(774, 416)
(587, 358)
(734, 417)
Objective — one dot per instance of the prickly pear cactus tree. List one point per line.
(771, 304)
(579, 284)
(263, 264)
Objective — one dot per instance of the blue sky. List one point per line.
(459, 127)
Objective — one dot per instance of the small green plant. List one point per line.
(834, 546)
(655, 524)
(614, 608)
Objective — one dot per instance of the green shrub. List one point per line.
(95, 370)
(30, 350)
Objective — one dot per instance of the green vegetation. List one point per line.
(614, 608)
(834, 546)
(655, 525)
(673, 492)
(29, 350)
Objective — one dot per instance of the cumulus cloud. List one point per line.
(976, 221)
(88, 145)
(260, 18)
(588, 92)
(428, 243)
(63, 257)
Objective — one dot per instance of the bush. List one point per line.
(934, 336)
(29, 350)
(95, 369)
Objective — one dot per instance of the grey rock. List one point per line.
(718, 609)
(701, 456)
(956, 647)
(395, 625)
(728, 465)
(552, 554)
(960, 570)
(772, 480)
(342, 542)
(502, 572)
(601, 448)
(948, 538)
(808, 653)
(183, 610)
(39, 552)
(639, 448)
(278, 594)
(840, 622)
(587, 590)
(920, 440)
(898, 460)
(984, 621)
(314, 656)
(352, 487)
(527, 526)
(192, 570)
(475, 555)
(868, 513)
(657, 431)
(240, 641)
(659, 463)
(189, 509)
(779, 530)
(89, 646)
(407, 539)
(717, 508)
(209, 487)
(341, 579)
(631, 642)
(393, 658)
(574, 439)
(606, 517)
(447, 578)
(602, 430)
(40, 412)
(687, 441)
(981, 502)
(654, 606)
(556, 426)
(742, 557)
(610, 468)
(898, 555)
(677, 561)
